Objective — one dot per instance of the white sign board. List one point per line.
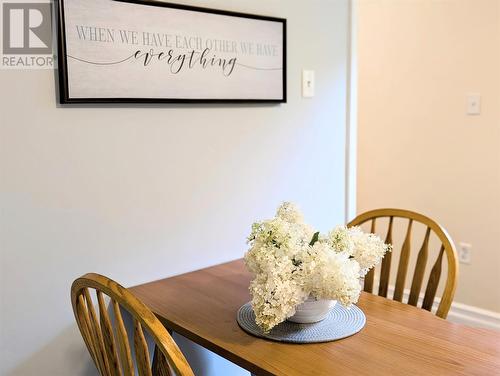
(139, 51)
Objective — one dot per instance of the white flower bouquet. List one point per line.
(291, 262)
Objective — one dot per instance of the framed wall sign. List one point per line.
(136, 51)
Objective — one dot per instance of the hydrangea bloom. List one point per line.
(367, 249)
(291, 262)
(340, 239)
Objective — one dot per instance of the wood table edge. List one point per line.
(208, 345)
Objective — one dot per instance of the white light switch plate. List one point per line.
(307, 83)
(464, 253)
(473, 104)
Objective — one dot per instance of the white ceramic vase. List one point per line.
(312, 310)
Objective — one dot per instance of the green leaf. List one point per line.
(314, 239)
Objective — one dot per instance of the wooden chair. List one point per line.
(447, 248)
(110, 348)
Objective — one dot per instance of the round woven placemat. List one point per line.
(340, 323)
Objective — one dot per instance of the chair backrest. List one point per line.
(447, 248)
(110, 349)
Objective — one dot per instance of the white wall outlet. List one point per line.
(464, 253)
(473, 104)
(307, 83)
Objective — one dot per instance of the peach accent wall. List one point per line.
(417, 148)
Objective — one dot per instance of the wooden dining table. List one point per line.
(398, 339)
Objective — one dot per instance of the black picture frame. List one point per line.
(64, 96)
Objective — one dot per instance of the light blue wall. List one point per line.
(142, 193)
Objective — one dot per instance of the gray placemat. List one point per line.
(340, 323)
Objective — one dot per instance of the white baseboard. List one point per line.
(474, 316)
(461, 313)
